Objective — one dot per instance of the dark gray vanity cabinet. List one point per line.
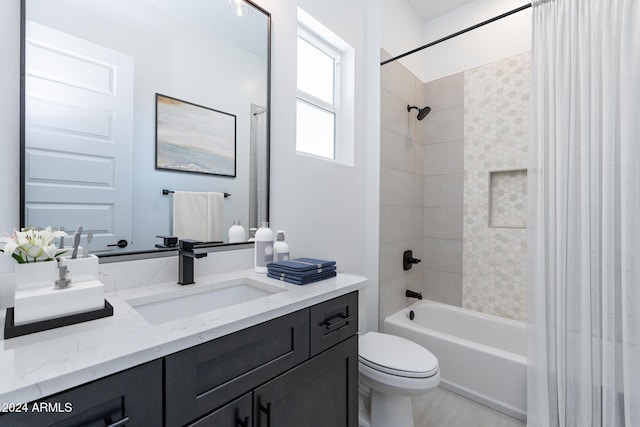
(322, 392)
(297, 370)
(128, 398)
(202, 378)
(300, 369)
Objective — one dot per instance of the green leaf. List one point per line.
(18, 258)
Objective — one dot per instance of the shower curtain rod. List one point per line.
(473, 27)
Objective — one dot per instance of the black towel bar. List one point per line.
(166, 192)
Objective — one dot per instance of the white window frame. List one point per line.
(323, 39)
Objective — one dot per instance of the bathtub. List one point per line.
(482, 357)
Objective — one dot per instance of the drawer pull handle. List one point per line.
(267, 411)
(119, 423)
(339, 323)
(245, 423)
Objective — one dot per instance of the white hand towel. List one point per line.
(215, 217)
(190, 215)
(198, 215)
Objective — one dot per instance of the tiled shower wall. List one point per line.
(443, 189)
(453, 187)
(475, 188)
(496, 131)
(401, 186)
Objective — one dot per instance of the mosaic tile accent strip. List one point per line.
(508, 199)
(495, 129)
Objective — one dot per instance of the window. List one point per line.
(324, 120)
(317, 106)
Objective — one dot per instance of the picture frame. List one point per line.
(193, 138)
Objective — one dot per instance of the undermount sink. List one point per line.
(184, 303)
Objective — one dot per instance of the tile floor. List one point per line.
(442, 408)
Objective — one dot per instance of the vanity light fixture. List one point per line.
(238, 7)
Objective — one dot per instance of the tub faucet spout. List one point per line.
(413, 294)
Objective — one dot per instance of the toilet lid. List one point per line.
(396, 355)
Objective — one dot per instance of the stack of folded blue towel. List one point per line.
(301, 271)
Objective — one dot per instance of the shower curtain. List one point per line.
(261, 163)
(584, 214)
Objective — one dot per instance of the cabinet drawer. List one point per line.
(200, 379)
(333, 321)
(129, 398)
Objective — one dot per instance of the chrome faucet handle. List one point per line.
(63, 282)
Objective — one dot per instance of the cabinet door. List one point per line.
(235, 414)
(201, 379)
(322, 392)
(129, 398)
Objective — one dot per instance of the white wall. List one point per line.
(328, 210)
(401, 31)
(500, 39)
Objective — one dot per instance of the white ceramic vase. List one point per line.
(36, 275)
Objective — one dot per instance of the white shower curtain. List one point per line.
(584, 214)
(261, 165)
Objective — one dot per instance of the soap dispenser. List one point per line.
(281, 248)
(237, 233)
(263, 247)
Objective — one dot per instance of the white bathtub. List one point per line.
(482, 357)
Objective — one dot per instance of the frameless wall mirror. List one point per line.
(124, 99)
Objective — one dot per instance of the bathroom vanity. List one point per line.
(285, 359)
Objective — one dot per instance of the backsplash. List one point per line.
(118, 276)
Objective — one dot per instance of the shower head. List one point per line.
(422, 112)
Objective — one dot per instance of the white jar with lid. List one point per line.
(237, 233)
(263, 247)
(280, 248)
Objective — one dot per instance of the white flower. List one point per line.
(32, 245)
(10, 245)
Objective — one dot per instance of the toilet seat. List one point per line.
(397, 356)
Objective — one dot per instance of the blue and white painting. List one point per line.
(192, 138)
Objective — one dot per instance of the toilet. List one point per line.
(392, 369)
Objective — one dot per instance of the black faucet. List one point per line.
(408, 260)
(186, 259)
(413, 294)
(190, 250)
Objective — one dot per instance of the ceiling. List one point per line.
(430, 9)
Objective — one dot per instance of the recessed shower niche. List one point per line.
(508, 199)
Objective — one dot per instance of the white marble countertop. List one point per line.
(41, 364)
